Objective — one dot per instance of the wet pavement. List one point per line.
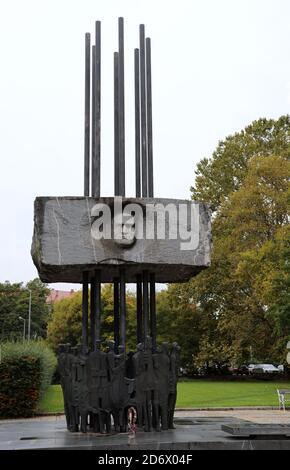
(194, 430)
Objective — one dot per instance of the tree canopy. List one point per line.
(65, 324)
(244, 295)
(217, 177)
(14, 303)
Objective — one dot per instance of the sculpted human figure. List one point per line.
(120, 390)
(174, 365)
(111, 358)
(139, 366)
(114, 395)
(75, 388)
(161, 368)
(148, 383)
(82, 379)
(98, 373)
(65, 379)
(69, 378)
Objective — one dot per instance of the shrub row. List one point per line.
(26, 370)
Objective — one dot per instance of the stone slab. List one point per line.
(64, 246)
(249, 430)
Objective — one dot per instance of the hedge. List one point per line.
(26, 370)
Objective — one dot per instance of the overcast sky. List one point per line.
(217, 65)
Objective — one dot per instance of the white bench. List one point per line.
(283, 396)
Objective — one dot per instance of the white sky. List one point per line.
(217, 65)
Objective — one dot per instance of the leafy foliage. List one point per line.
(242, 300)
(19, 386)
(65, 324)
(26, 370)
(14, 302)
(217, 177)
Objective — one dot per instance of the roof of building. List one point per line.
(56, 295)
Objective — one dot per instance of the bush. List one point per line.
(26, 371)
(19, 386)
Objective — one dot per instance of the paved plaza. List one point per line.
(195, 430)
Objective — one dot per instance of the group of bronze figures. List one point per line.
(100, 387)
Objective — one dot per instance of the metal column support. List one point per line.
(85, 292)
(121, 96)
(153, 310)
(122, 308)
(87, 115)
(145, 305)
(149, 117)
(116, 314)
(96, 112)
(116, 126)
(137, 124)
(92, 315)
(93, 118)
(143, 112)
(98, 305)
(95, 309)
(139, 308)
(85, 310)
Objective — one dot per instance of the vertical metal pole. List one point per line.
(145, 305)
(85, 293)
(116, 125)
(122, 308)
(143, 113)
(116, 314)
(93, 142)
(117, 192)
(92, 314)
(98, 109)
(98, 305)
(137, 124)
(87, 114)
(85, 309)
(149, 118)
(118, 160)
(121, 108)
(96, 113)
(29, 316)
(139, 307)
(153, 310)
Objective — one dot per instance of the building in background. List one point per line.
(56, 295)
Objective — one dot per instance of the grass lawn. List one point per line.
(209, 394)
(199, 394)
(52, 402)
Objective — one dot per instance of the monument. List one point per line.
(119, 239)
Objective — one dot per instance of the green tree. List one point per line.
(178, 319)
(65, 324)
(14, 302)
(217, 177)
(236, 290)
(242, 300)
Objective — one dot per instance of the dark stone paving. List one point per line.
(190, 434)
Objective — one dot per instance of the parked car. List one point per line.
(241, 370)
(264, 369)
(183, 372)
